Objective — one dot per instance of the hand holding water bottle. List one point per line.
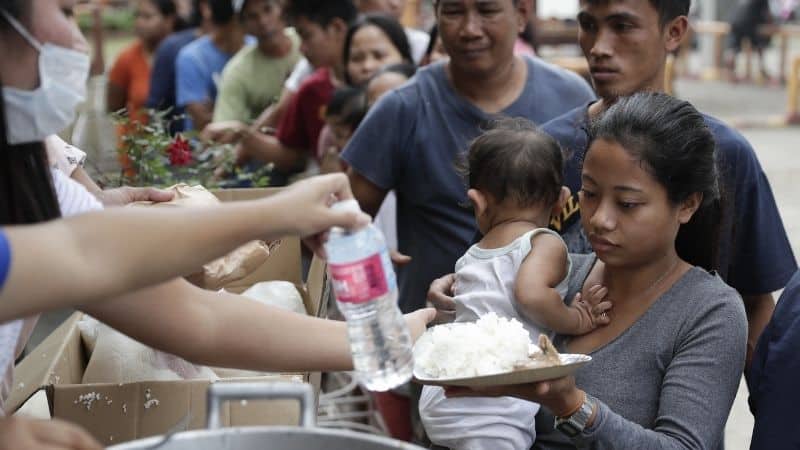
(306, 209)
(366, 292)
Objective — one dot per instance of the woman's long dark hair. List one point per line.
(671, 139)
(26, 185)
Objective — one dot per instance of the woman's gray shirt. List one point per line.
(669, 381)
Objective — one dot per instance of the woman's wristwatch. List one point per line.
(574, 424)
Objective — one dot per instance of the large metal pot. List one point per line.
(306, 436)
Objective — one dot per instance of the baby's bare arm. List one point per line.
(535, 291)
(540, 273)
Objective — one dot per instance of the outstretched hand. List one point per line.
(126, 194)
(306, 209)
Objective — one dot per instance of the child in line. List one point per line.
(344, 113)
(387, 79)
(519, 269)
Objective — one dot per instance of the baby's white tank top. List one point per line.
(485, 280)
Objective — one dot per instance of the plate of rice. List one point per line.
(494, 351)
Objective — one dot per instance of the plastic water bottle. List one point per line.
(366, 292)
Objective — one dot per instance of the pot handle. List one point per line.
(220, 392)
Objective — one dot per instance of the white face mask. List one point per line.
(31, 116)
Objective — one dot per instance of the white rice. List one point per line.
(461, 350)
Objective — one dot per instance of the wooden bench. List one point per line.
(718, 31)
(793, 116)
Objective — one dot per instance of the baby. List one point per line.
(519, 269)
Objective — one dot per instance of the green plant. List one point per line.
(157, 158)
(114, 19)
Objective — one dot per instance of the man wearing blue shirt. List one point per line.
(199, 64)
(774, 374)
(626, 43)
(162, 96)
(413, 137)
(162, 78)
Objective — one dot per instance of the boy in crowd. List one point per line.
(200, 64)
(252, 80)
(162, 78)
(322, 26)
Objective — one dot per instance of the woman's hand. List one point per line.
(593, 309)
(440, 295)
(124, 195)
(305, 209)
(560, 395)
(20, 433)
(418, 321)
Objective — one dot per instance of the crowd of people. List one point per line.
(619, 220)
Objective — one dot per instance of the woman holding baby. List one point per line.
(665, 369)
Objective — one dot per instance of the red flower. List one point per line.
(180, 153)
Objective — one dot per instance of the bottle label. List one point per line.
(360, 281)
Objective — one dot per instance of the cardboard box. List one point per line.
(116, 413)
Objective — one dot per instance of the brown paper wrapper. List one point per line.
(232, 267)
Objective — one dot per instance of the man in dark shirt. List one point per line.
(626, 43)
(774, 375)
(162, 79)
(412, 138)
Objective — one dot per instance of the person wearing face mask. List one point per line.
(33, 115)
(36, 115)
(190, 322)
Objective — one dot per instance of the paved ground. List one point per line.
(776, 149)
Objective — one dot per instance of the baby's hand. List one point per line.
(593, 309)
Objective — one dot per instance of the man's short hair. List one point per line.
(667, 9)
(322, 12)
(436, 2)
(221, 11)
(671, 9)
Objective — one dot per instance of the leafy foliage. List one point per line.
(157, 158)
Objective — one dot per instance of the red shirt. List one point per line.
(302, 123)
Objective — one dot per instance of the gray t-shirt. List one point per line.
(410, 142)
(668, 382)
